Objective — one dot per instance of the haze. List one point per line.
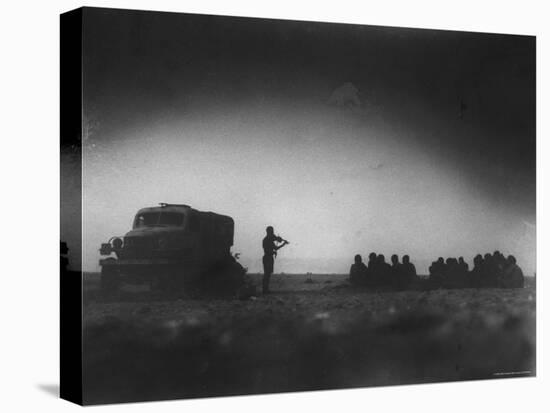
(433, 155)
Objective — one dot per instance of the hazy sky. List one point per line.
(258, 119)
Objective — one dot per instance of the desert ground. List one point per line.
(313, 332)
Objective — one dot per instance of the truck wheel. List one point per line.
(110, 279)
(167, 279)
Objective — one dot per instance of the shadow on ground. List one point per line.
(51, 389)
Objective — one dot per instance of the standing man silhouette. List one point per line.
(270, 252)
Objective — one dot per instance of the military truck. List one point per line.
(170, 247)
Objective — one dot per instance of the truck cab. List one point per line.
(169, 240)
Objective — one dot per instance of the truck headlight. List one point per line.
(117, 244)
(105, 249)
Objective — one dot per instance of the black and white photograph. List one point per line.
(274, 206)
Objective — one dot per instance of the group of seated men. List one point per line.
(378, 273)
(489, 271)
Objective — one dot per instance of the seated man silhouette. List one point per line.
(451, 278)
(372, 261)
(358, 271)
(409, 270)
(500, 260)
(512, 275)
(437, 272)
(383, 271)
(475, 277)
(461, 276)
(490, 271)
(370, 279)
(397, 274)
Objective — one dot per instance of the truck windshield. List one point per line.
(153, 219)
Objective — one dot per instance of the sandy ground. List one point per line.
(307, 335)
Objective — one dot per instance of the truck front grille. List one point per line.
(139, 247)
